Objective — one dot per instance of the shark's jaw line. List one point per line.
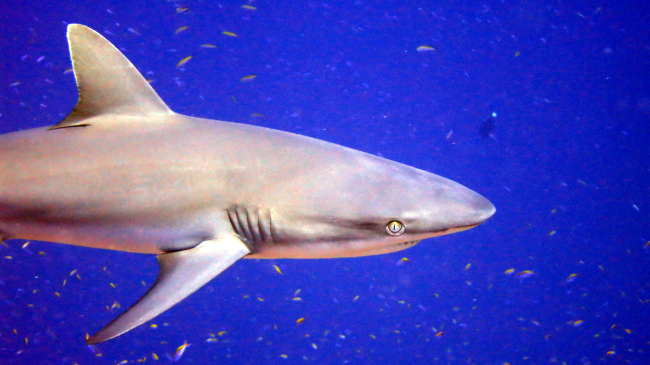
(124, 172)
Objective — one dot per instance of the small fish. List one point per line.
(155, 357)
(208, 45)
(183, 61)
(248, 7)
(468, 266)
(487, 127)
(425, 49)
(248, 78)
(300, 320)
(451, 131)
(509, 271)
(26, 244)
(181, 10)
(517, 54)
(212, 339)
(524, 274)
(181, 350)
(284, 356)
(277, 269)
(355, 298)
(571, 278)
(578, 322)
(181, 29)
(439, 334)
(229, 34)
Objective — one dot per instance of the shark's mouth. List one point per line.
(408, 244)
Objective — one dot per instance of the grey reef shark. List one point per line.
(124, 172)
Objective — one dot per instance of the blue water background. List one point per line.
(567, 167)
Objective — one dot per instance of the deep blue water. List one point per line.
(566, 165)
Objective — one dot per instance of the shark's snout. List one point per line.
(483, 208)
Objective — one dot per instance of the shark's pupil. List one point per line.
(395, 228)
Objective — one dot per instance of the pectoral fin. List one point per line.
(181, 274)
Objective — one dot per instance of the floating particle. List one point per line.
(229, 34)
(277, 269)
(181, 29)
(468, 266)
(373, 336)
(181, 10)
(208, 45)
(248, 78)
(425, 49)
(181, 350)
(248, 7)
(296, 292)
(552, 233)
(355, 298)
(517, 54)
(73, 272)
(284, 356)
(260, 299)
(451, 131)
(183, 61)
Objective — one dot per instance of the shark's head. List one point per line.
(366, 205)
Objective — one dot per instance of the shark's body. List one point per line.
(124, 172)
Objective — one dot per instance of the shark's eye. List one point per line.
(395, 228)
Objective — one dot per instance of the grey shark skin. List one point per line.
(123, 172)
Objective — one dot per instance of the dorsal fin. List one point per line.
(108, 82)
